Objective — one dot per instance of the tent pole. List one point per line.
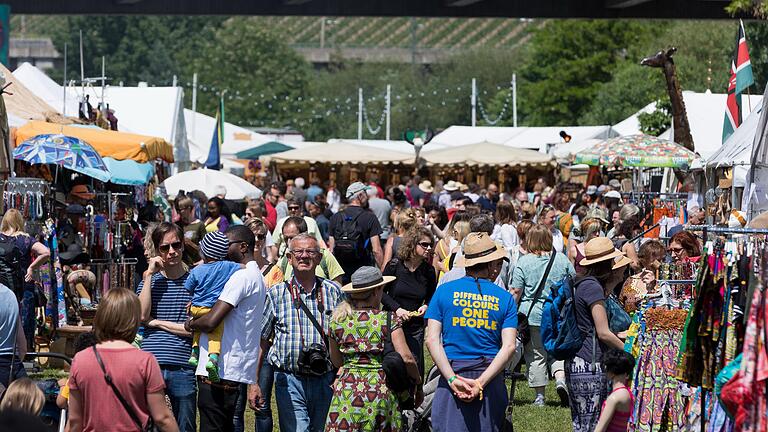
(389, 106)
(359, 113)
(514, 100)
(473, 102)
(64, 84)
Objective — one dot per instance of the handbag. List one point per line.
(618, 319)
(523, 331)
(150, 426)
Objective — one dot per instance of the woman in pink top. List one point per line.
(618, 407)
(94, 405)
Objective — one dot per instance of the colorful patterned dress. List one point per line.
(361, 399)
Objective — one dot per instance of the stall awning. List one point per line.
(487, 154)
(117, 145)
(269, 148)
(129, 172)
(342, 152)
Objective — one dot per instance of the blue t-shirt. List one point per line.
(472, 320)
(169, 303)
(206, 281)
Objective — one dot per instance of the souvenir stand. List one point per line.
(723, 349)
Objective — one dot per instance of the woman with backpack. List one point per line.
(604, 267)
(409, 294)
(18, 256)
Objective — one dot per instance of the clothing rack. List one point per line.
(725, 230)
(30, 196)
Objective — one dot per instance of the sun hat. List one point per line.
(463, 187)
(737, 219)
(355, 188)
(451, 186)
(82, 192)
(426, 186)
(479, 248)
(621, 261)
(615, 183)
(214, 245)
(597, 213)
(599, 249)
(366, 278)
(613, 194)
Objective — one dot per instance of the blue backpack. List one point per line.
(560, 334)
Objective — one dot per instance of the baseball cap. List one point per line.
(355, 188)
(613, 194)
(592, 190)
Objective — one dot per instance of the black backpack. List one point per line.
(11, 273)
(349, 243)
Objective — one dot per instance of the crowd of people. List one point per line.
(326, 306)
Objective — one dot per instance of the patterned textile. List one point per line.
(657, 393)
(289, 326)
(587, 390)
(361, 400)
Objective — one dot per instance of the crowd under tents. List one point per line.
(534, 138)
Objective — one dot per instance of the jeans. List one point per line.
(217, 407)
(181, 388)
(263, 416)
(5, 369)
(303, 401)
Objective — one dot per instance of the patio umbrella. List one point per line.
(269, 148)
(206, 180)
(636, 151)
(69, 152)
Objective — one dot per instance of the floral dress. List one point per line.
(361, 399)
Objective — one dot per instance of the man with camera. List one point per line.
(297, 314)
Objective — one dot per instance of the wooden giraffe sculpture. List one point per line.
(663, 60)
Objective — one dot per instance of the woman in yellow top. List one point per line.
(219, 217)
(272, 273)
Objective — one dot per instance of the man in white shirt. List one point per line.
(547, 218)
(240, 307)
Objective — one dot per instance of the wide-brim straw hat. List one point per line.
(599, 249)
(479, 248)
(366, 278)
(622, 261)
(451, 186)
(426, 186)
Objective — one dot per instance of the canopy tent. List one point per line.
(153, 111)
(564, 152)
(207, 180)
(342, 152)
(117, 145)
(535, 138)
(46, 89)
(269, 148)
(736, 151)
(24, 103)
(705, 116)
(394, 145)
(487, 154)
(129, 172)
(200, 132)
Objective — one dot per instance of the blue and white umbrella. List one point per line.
(69, 152)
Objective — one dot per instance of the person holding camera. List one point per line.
(297, 319)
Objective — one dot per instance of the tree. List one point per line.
(659, 120)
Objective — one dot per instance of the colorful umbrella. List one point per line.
(636, 151)
(63, 150)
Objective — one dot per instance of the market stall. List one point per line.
(482, 161)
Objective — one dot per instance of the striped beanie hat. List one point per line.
(214, 246)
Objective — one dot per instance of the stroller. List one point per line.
(51, 415)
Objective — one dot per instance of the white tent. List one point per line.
(341, 151)
(153, 111)
(705, 111)
(398, 146)
(536, 138)
(200, 132)
(45, 88)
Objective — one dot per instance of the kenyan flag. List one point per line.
(741, 78)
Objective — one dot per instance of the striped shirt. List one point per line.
(286, 324)
(169, 303)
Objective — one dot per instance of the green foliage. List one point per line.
(631, 88)
(570, 60)
(657, 121)
(756, 8)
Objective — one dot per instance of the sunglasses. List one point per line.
(261, 236)
(293, 207)
(676, 250)
(311, 253)
(425, 245)
(167, 247)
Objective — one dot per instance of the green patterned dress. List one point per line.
(361, 399)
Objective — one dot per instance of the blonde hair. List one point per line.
(118, 316)
(405, 220)
(149, 246)
(13, 221)
(344, 310)
(23, 395)
(461, 229)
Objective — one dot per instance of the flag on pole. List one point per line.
(214, 154)
(741, 79)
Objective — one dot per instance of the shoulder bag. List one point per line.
(522, 318)
(150, 426)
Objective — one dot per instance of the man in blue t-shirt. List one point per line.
(471, 335)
